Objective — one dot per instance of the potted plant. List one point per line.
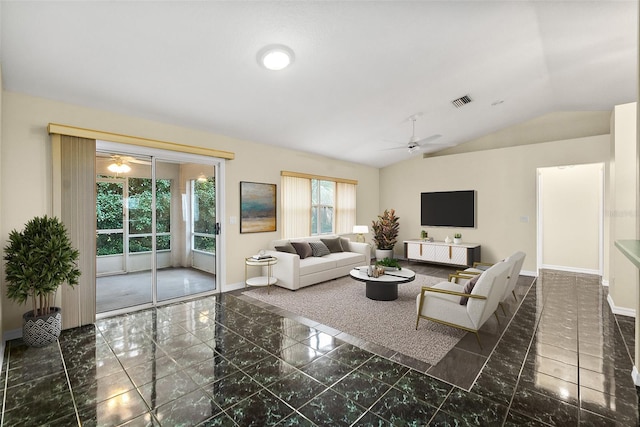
(389, 264)
(385, 233)
(39, 259)
(457, 238)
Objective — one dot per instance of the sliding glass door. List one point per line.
(156, 228)
(186, 263)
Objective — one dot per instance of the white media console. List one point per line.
(441, 252)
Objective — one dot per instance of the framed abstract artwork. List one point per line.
(257, 207)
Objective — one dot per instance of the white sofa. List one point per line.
(295, 273)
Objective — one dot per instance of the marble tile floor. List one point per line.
(563, 359)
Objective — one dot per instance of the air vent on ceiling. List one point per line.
(463, 100)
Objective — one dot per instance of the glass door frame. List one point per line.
(166, 155)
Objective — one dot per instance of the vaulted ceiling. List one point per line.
(361, 69)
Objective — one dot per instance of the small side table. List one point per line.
(267, 280)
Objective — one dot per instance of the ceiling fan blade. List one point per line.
(428, 139)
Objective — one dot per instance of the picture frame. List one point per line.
(258, 212)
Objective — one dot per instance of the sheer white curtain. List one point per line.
(345, 208)
(296, 207)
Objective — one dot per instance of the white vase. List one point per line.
(457, 240)
(447, 239)
(384, 253)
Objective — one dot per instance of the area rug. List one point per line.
(342, 304)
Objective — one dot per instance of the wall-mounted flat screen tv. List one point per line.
(448, 209)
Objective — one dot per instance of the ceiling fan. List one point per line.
(415, 143)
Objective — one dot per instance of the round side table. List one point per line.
(267, 280)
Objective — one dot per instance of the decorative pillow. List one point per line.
(319, 249)
(344, 242)
(333, 245)
(288, 247)
(303, 249)
(468, 288)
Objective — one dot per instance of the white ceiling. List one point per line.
(361, 68)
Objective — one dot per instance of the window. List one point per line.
(322, 206)
(204, 215)
(109, 214)
(113, 213)
(140, 216)
(314, 205)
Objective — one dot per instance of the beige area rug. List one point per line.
(342, 304)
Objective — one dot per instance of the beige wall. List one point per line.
(623, 280)
(25, 171)
(505, 181)
(570, 199)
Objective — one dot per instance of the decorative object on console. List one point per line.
(385, 233)
(447, 239)
(424, 234)
(457, 238)
(360, 231)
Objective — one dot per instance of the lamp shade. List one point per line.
(360, 229)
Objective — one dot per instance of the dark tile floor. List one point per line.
(563, 359)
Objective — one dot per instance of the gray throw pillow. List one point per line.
(319, 249)
(303, 249)
(468, 288)
(344, 242)
(334, 244)
(288, 248)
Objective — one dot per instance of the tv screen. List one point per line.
(448, 209)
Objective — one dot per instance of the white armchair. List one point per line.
(516, 260)
(441, 302)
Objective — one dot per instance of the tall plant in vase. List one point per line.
(385, 233)
(40, 259)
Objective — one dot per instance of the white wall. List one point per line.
(505, 181)
(570, 199)
(26, 153)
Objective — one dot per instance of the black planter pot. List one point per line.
(42, 330)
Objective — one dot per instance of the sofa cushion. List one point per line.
(319, 249)
(316, 264)
(347, 258)
(303, 249)
(334, 245)
(286, 247)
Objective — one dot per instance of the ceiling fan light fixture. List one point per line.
(275, 57)
(118, 166)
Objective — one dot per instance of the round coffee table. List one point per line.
(385, 287)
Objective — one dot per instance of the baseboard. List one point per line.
(571, 269)
(605, 283)
(233, 286)
(636, 376)
(528, 273)
(13, 334)
(623, 311)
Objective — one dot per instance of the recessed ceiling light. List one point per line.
(275, 57)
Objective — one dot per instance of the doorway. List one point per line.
(156, 227)
(571, 218)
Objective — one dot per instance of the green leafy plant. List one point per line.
(385, 230)
(458, 236)
(389, 262)
(40, 259)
